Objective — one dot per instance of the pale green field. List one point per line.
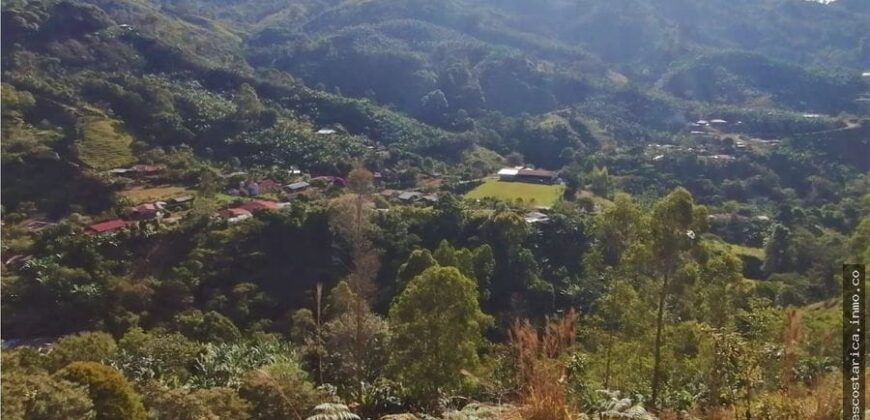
(747, 250)
(532, 194)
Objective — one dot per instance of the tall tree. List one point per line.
(618, 227)
(663, 256)
(350, 218)
(600, 182)
(776, 250)
(437, 327)
(615, 316)
(418, 262)
(342, 335)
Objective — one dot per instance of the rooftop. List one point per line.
(535, 217)
(268, 184)
(234, 212)
(147, 168)
(181, 199)
(298, 185)
(537, 173)
(107, 226)
(410, 195)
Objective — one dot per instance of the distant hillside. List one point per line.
(744, 78)
(521, 56)
(253, 80)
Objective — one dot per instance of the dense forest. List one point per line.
(407, 209)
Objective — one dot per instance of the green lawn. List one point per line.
(536, 194)
(741, 250)
(748, 251)
(104, 145)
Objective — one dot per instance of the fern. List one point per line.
(332, 411)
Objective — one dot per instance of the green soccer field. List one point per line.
(542, 195)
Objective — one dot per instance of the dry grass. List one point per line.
(541, 374)
(790, 340)
(139, 195)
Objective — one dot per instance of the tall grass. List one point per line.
(790, 340)
(541, 374)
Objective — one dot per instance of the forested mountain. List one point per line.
(338, 209)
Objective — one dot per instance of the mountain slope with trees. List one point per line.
(229, 209)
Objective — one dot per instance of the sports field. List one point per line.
(537, 194)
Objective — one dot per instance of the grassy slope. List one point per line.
(104, 145)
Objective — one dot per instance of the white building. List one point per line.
(507, 174)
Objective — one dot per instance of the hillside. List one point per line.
(407, 209)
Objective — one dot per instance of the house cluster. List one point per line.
(410, 197)
(710, 123)
(712, 152)
(132, 215)
(33, 226)
(265, 186)
(660, 151)
(522, 174)
(720, 158)
(255, 188)
(141, 170)
(244, 211)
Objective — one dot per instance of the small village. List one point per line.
(154, 204)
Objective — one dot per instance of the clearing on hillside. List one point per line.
(141, 195)
(104, 145)
(536, 195)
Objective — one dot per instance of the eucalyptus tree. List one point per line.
(663, 255)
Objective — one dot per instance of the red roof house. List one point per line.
(234, 215)
(269, 185)
(106, 226)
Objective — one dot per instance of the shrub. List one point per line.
(279, 391)
(83, 347)
(201, 404)
(38, 396)
(208, 327)
(112, 395)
